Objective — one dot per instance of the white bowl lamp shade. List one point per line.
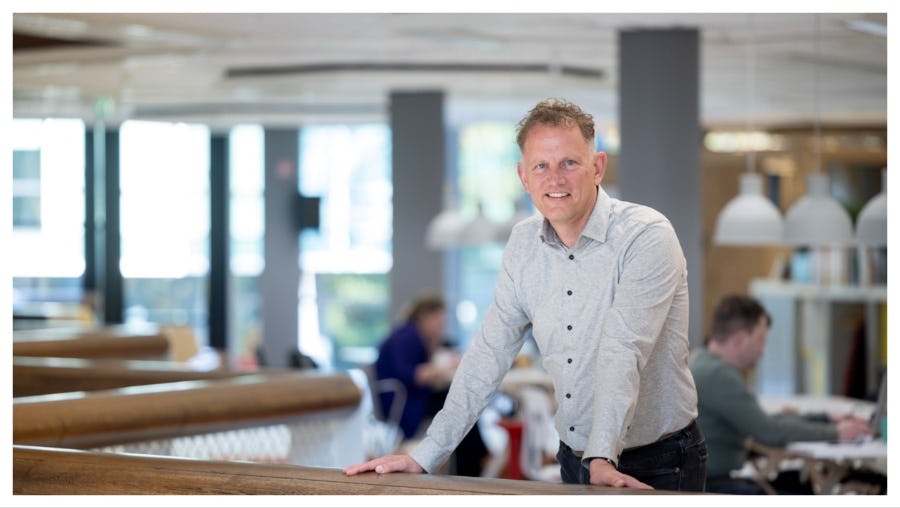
(479, 230)
(749, 218)
(871, 225)
(445, 230)
(504, 230)
(817, 219)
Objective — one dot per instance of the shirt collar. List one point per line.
(597, 224)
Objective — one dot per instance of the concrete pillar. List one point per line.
(218, 241)
(418, 154)
(659, 118)
(280, 279)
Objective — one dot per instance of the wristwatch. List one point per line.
(613, 464)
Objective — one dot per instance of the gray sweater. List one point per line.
(729, 412)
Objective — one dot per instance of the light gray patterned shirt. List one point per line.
(610, 317)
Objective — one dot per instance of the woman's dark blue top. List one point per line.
(398, 356)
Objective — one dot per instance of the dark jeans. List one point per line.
(677, 462)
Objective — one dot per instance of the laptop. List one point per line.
(878, 420)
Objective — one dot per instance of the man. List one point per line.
(602, 286)
(729, 412)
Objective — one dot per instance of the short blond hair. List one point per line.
(555, 112)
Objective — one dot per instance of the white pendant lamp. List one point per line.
(480, 230)
(817, 219)
(505, 229)
(871, 225)
(750, 218)
(445, 229)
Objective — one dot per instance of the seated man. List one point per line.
(413, 355)
(729, 412)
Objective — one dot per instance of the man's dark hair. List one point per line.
(556, 112)
(735, 313)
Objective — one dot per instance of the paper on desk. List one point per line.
(869, 449)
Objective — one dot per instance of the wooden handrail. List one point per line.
(140, 413)
(39, 470)
(110, 342)
(39, 376)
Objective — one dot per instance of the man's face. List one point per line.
(755, 343)
(560, 171)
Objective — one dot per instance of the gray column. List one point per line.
(418, 154)
(218, 241)
(102, 278)
(452, 260)
(90, 282)
(280, 279)
(659, 118)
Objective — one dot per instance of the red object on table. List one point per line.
(513, 427)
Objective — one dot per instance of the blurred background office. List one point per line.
(275, 183)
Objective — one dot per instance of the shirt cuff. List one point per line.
(595, 451)
(429, 455)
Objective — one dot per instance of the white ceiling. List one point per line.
(176, 65)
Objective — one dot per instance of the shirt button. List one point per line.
(569, 360)
(569, 327)
(571, 256)
(571, 429)
(569, 292)
(568, 395)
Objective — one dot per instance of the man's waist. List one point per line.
(662, 439)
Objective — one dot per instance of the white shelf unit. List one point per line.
(808, 342)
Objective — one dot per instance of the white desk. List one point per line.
(826, 463)
(818, 404)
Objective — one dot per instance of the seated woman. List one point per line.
(412, 354)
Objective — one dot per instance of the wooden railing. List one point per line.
(109, 342)
(39, 470)
(40, 376)
(147, 407)
(140, 413)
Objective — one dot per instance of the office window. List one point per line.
(165, 223)
(487, 175)
(344, 265)
(46, 251)
(27, 188)
(246, 239)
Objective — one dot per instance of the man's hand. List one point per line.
(387, 464)
(603, 473)
(853, 428)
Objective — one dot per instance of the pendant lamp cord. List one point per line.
(817, 131)
(751, 94)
